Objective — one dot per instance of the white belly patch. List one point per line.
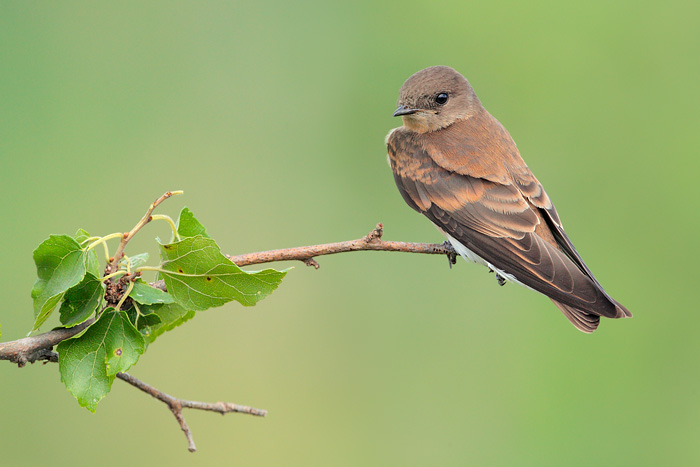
(467, 254)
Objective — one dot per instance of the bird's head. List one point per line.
(435, 98)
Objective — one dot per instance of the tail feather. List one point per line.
(622, 312)
(586, 321)
(583, 321)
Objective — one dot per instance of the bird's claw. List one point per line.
(451, 253)
(501, 280)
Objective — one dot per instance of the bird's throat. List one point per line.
(422, 122)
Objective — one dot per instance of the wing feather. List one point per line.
(511, 224)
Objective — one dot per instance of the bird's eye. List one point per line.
(441, 98)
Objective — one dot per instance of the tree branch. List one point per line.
(39, 347)
(370, 242)
(176, 405)
(34, 348)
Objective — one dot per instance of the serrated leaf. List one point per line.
(170, 316)
(146, 295)
(89, 363)
(92, 264)
(189, 226)
(199, 276)
(81, 301)
(138, 260)
(60, 265)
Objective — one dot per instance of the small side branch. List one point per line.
(370, 242)
(127, 236)
(176, 405)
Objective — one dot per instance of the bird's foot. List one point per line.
(451, 253)
(501, 280)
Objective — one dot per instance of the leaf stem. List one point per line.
(127, 262)
(104, 244)
(124, 296)
(149, 268)
(138, 313)
(89, 239)
(182, 274)
(102, 240)
(121, 272)
(169, 220)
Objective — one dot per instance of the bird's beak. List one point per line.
(404, 110)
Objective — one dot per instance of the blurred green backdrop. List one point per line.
(271, 116)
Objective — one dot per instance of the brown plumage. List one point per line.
(457, 165)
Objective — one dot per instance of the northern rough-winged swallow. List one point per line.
(457, 165)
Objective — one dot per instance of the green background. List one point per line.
(271, 116)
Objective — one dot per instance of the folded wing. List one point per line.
(512, 225)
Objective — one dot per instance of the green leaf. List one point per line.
(60, 265)
(189, 226)
(81, 237)
(138, 260)
(170, 316)
(146, 295)
(89, 363)
(200, 277)
(124, 345)
(81, 301)
(92, 263)
(142, 320)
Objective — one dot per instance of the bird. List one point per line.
(457, 165)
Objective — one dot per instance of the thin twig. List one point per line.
(176, 405)
(370, 242)
(128, 235)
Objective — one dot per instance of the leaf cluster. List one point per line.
(130, 314)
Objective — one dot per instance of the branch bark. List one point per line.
(176, 405)
(370, 242)
(39, 347)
